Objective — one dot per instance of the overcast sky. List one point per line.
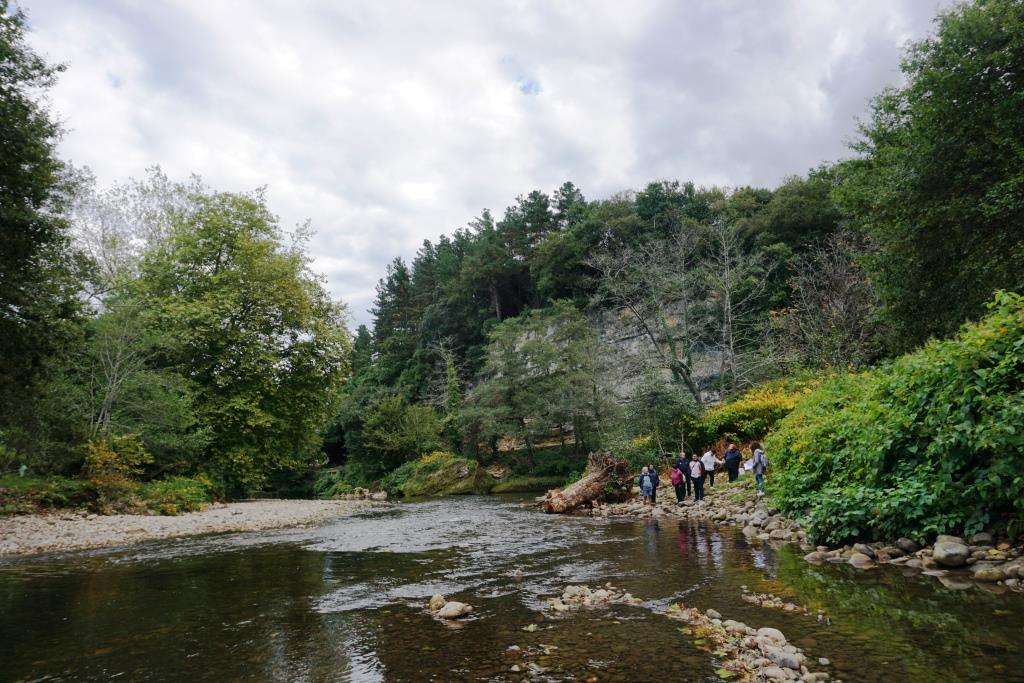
(388, 123)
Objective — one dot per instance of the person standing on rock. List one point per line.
(697, 475)
(678, 477)
(683, 465)
(760, 466)
(710, 463)
(646, 484)
(733, 459)
(655, 480)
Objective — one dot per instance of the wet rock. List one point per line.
(713, 614)
(750, 531)
(864, 549)
(436, 602)
(982, 538)
(454, 610)
(907, 545)
(816, 557)
(945, 538)
(780, 657)
(988, 572)
(823, 661)
(774, 673)
(950, 553)
(772, 634)
(861, 561)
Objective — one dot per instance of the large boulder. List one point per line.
(772, 634)
(861, 561)
(907, 545)
(950, 553)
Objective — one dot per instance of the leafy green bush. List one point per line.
(930, 443)
(175, 495)
(23, 495)
(439, 473)
(751, 415)
(332, 483)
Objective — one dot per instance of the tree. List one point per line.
(736, 279)
(40, 273)
(259, 339)
(653, 290)
(395, 431)
(939, 185)
(542, 379)
(833, 318)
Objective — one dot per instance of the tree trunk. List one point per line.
(605, 478)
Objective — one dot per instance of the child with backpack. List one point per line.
(646, 483)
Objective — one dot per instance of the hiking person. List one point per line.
(760, 466)
(683, 465)
(646, 484)
(697, 476)
(733, 459)
(711, 464)
(655, 480)
(677, 478)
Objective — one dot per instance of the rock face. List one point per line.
(454, 610)
(950, 553)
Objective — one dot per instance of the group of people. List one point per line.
(690, 473)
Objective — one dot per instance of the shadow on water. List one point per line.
(344, 602)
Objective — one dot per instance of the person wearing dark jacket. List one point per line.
(654, 480)
(733, 458)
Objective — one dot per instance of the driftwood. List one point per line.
(605, 479)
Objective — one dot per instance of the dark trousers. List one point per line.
(734, 472)
(654, 496)
(711, 477)
(698, 488)
(680, 492)
(688, 482)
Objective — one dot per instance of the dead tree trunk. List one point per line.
(605, 479)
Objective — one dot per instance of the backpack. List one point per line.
(676, 476)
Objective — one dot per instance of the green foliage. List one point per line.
(750, 416)
(931, 443)
(263, 345)
(523, 484)
(439, 473)
(24, 495)
(111, 466)
(940, 185)
(40, 271)
(331, 483)
(395, 431)
(175, 495)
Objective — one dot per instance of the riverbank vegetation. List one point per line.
(170, 343)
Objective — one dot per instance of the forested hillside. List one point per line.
(165, 331)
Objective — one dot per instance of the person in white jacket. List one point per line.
(711, 463)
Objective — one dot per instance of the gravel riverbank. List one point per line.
(60, 531)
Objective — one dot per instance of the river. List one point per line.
(344, 601)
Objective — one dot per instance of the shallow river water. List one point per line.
(345, 602)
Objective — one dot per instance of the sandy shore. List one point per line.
(28, 534)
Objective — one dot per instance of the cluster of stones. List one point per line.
(363, 494)
(447, 609)
(574, 597)
(979, 558)
(775, 602)
(747, 653)
(534, 669)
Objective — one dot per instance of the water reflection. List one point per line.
(343, 602)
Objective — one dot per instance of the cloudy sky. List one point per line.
(388, 123)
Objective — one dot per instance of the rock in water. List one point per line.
(436, 602)
(988, 572)
(861, 561)
(772, 634)
(454, 610)
(982, 538)
(864, 550)
(906, 545)
(950, 553)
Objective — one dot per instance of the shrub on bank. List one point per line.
(930, 443)
(750, 416)
(175, 495)
(439, 473)
(27, 494)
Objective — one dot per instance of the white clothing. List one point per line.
(708, 460)
(695, 472)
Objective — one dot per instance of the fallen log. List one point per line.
(606, 479)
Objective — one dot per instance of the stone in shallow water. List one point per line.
(950, 553)
(988, 572)
(454, 610)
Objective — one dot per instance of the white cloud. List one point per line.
(388, 123)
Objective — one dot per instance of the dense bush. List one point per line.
(931, 443)
(175, 495)
(23, 495)
(332, 483)
(750, 416)
(438, 473)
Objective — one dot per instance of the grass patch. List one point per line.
(24, 495)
